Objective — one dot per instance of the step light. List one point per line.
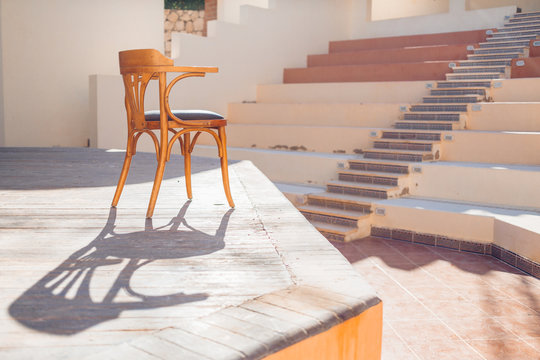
(520, 63)
(448, 137)
(429, 85)
(380, 211)
(452, 65)
(489, 32)
(417, 169)
(373, 134)
(536, 43)
(341, 165)
(470, 47)
(476, 107)
(403, 108)
(497, 84)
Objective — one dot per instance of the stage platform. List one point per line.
(79, 279)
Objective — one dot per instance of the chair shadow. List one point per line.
(46, 306)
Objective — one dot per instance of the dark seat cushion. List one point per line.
(153, 115)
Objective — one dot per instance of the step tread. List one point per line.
(469, 74)
(502, 48)
(337, 229)
(480, 66)
(495, 54)
(362, 185)
(343, 197)
(382, 161)
(454, 96)
(350, 214)
(427, 132)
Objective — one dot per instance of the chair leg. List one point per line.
(187, 164)
(123, 176)
(157, 184)
(224, 166)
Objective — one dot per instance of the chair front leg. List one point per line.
(125, 171)
(187, 163)
(224, 165)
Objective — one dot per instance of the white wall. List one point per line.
(50, 48)
(229, 10)
(2, 127)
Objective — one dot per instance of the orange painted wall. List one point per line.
(531, 68)
(356, 338)
(462, 37)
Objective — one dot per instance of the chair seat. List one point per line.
(153, 115)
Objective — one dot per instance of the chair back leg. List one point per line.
(157, 184)
(187, 164)
(124, 173)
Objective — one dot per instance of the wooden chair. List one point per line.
(138, 68)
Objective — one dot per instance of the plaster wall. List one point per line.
(229, 10)
(2, 108)
(506, 116)
(49, 48)
(393, 9)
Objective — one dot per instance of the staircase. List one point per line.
(383, 171)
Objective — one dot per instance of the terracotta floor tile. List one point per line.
(505, 349)
(503, 307)
(451, 310)
(435, 292)
(394, 348)
(522, 325)
(423, 331)
(401, 311)
(480, 328)
(439, 350)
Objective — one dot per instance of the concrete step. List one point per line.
(387, 166)
(507, 43)
(372, 177)
(439, 108)
(400, 155)
(478, 91)
(535, 27)
(522, 15)
(522, 23)
(481, 69)
(493, 62)
(333, 232)
(332, 216)
(476, 76)
(500, 56)
(340, 201)
(411, 135)
(517, 19)
(437, 99)
(514, 33)
(427, 125)
(452, 84)
(502, 50)
(498, 39)
(365, 190)
(394, 144)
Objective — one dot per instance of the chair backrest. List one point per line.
(138, 67)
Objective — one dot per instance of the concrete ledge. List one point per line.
(270, 279)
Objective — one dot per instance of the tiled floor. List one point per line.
(442, 304)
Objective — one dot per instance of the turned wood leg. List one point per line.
(157, 184)
(224, 166)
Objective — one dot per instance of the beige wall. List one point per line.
(50, 48)
(394, 9)
(525, 5)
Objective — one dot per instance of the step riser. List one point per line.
(521, 24)
(397, 157)
(410, 136)
(336, 204)
(377, 194)
(402, 146)
(331, 236)
(328, 219)
(511, 38)
(499, 51)
(486, 63)
(369, 179)
(449, 85)
(467, 100)
(479, 69)
(523, 19)
(519, 28)
(420, 126)
(504, 43)
(480, 92)
(474, 76)
(393, 169)
(439, 108)
(525, 14)
(514, 34)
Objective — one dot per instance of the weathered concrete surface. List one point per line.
(81, 280)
